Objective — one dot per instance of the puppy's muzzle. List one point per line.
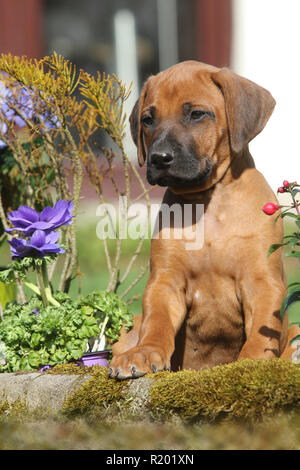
(161, 160)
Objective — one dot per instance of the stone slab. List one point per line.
(46, 391)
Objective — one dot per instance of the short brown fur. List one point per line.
(220, 303)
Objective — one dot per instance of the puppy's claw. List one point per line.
(138, 374)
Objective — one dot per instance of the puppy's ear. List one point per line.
(136, 128)
(248, 107)
(134, 122)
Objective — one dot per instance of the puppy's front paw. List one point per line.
(137, 362)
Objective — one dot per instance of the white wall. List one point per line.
(266, 49)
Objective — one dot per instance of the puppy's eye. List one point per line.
(198, 115)
(147, 121)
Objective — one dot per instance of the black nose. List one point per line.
(161, 160)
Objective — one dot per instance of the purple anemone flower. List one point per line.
(27, 220)
(39, 245)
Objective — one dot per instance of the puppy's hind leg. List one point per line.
(127, 339)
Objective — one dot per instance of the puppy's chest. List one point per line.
(214, 304)
(219, 227)
(212, 287)
(225, 235)
(218, 249)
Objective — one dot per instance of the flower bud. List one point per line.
(281, 189)
(286, 184)
(270, 208)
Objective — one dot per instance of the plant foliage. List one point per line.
(291, 243)
(33, 336)
(62, 111)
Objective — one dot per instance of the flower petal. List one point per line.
(20, 248)
(60, 214)
(52, 237)
(26, 213)
(17, 243)
(19, 224)
(52, 248)
(46, 214)
(38, 239)
(41, 226)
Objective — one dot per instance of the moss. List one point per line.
(71, 368)
(18, 409)
(97, 396)
(248, 389)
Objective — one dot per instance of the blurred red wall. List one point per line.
(21, 27)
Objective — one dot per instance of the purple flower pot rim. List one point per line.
(95, 353)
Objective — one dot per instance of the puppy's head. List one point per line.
(191, 118)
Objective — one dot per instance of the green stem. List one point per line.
(42, 285)
(296, 204)
(47, 285)
(45, 289)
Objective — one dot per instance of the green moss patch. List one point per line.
(247, 389)
(72, 369)
(97, 396)
(16, 409)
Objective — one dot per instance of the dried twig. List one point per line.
(139, 277)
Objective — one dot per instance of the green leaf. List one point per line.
(34, 359)
(293, 242)
(76, 353)
(83, 332)
(294, 340)
(293, 254)
(7, 293)
(87, 310)
(290, 214)
(35, 339)
(294, 286)
(274, 247)
(7, 276)
(288, 301)
(59, 356)
(33, 287)
(24, 364)
(90, 321)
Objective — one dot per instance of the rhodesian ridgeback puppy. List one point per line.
(221, 303)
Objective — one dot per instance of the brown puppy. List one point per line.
(220, 303)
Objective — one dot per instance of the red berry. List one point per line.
(270, 208)
(281, 189)
(286, 184)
